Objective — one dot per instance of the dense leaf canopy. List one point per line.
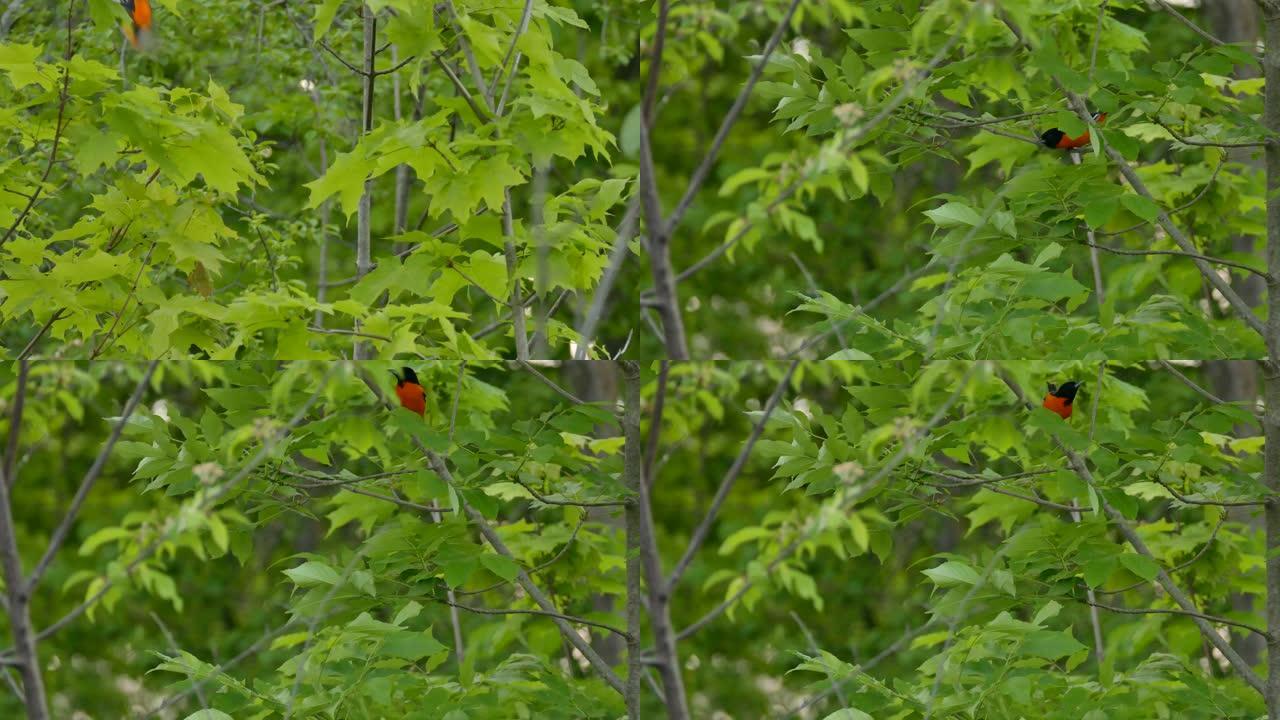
(732, 322)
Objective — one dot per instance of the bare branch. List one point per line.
(513, 265)
(1205, 143)
(9, 464)
(1193, 27)
(726, 484)
(600, 297)
(550, 383)
(86, 483)
(633, 479)
(1169, 611)
(726, 125)
(19, 609)
(1191, 384)
(525, 16)
(480, 112)
(655, 421)
(1178, 253)
(544, 613)
(341, 331)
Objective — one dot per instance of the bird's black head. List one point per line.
(409, 376)
(1051, 138)
(1067, 390)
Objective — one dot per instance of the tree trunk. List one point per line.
(1271, 419)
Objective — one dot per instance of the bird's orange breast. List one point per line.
(142, 13)
(412, 396)
(1059, 405)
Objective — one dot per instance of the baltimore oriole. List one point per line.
(139, 32)
(411, 393)
(1058, 140)
(1059, 400)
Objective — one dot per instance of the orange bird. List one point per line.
(411, 393)
(139, 32)
(1059, 400)
(1058, 140)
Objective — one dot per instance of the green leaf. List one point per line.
(1098, 212)
(1051, 644)
(848, 714)
(951, 573)
(1142, 207)
(1097, 572)
(499, 565)
(412, 645)
(1140, 565)
(313, 572)
(325, 12)
(953, 214)
(208, 714)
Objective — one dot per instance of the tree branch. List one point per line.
(717, 143)
(19, 609)
(550, 383)
(544, 613)
(1178, 253)
(1200, 195)
(1206, 143)
(726, 484)
(86, 484)
(9, 464)
(1168, 611)
(600, 297)
(633, 479)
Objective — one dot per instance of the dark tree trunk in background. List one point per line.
(1237, 21)
(596, 381)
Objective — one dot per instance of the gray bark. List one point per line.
(1271, 419)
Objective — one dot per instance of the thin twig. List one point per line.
(1178, 253)
(1222, 519)
(176, 649)
(730, 477)
(600, 297)
(726, 125)
(1187, 613)
(525, 364)
(1205, 143)
(87, 482)
(1183, 19)
(1203, 191)
(545, 613)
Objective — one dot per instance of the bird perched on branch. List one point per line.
(411, 393)
(139, 30)
(1058, 140)
(1059, 399)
